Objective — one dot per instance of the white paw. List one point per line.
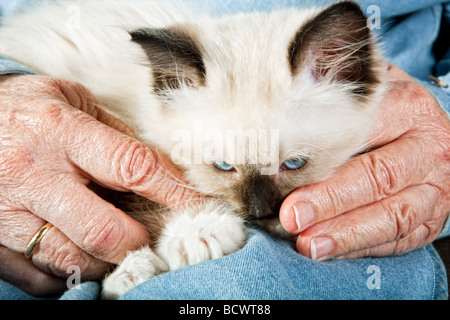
(194, 238)
(139, 266)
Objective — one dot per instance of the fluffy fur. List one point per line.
(305, 83)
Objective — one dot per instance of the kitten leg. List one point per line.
(138, 266)
(196, 236)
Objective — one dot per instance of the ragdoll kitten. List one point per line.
(249, 106)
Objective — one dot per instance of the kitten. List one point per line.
(249, 106)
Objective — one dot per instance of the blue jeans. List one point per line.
(269, 268)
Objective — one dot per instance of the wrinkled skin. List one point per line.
(53, 142)
(389, 201)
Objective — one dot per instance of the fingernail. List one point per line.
(304, 215)
(321, 248)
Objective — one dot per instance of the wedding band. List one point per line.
(36, 239)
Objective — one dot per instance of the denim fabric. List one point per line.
(9, 292)
(8, 66)
(269, 268)
(84, 291)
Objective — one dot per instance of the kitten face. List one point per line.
(258, 105)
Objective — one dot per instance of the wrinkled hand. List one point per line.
(389, 201)
(53, 142)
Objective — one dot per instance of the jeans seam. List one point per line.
(434, 274)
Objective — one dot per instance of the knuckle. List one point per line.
(102, 238)
(79, 97)
(413, 241)
(403, 217)
(48, 87)
(59, 95)
(381, 175)
(173, 194)
(64, 259)
(61, 89)
(446, 151)
(425, 101)
(415, 92)
(400, 247)
(443, 148)
(434, 227)
(49, 84)
(136, 164)
(334, 199)
(58, 254)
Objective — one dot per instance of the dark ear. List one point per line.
(337, 46)
(174, 56)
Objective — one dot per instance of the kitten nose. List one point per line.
(262, 202)
(258, 195)
(261, 209)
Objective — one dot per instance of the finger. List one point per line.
(366, 179)
(57, 255)
(93, 224)
(122, 163)
(17, 227)
(81, 98)
(54, 254)
(388, 220)
(116, 160)
(113, 122)
(21, 273)
(417, 239)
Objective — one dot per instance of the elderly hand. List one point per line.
(53, 142)
(389, 201)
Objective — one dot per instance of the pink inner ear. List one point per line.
(308, 76)
(323, 58)
(336, 46)
(339, 58)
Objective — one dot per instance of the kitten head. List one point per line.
(254, 106)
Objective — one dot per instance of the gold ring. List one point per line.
(36, 239)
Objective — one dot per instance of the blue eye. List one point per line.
(222, 166)
(295, 164)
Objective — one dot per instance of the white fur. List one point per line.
(138, 267)
(192, 238)
(189, 238)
